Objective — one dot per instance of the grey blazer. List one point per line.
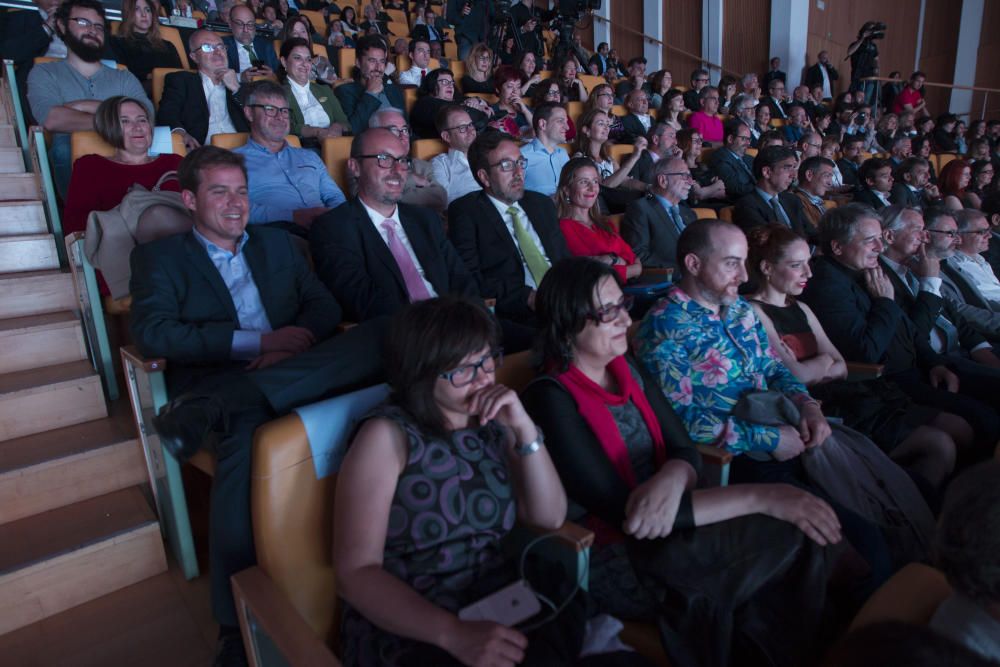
(651, 233)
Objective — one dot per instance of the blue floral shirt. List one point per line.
(704, 362)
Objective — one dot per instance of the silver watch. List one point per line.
(531, 447)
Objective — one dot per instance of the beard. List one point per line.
(86, 51)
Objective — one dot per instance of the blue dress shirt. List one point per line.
(542, 173)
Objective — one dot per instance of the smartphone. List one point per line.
(256, 63)
(508, 606)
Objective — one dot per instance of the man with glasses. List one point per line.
(960, 292)
(451, 169)
(371, 89)
(64, 95)
(770, 202)
(797, 125)
(810, 145)
(508, 237)
(421, 188)
(544, 155)
(776, 98)
(692, 98)
(661, 143)
(731, 163)
(815, 180)
(201, 104)
(249, 55)
(653, 224)
(637, 122)
(377, 254)
(289, 187)
(975, 232)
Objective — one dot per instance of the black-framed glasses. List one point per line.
(386, 161)
(609, 312)
(399, 131)
(271, 111)
(685, 175)
(97, 26)
(507, 165)
(461, 129)
(947, 232)
(980, 232)
(466, 374)
(211, 48)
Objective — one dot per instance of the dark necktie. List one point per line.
(779, 212)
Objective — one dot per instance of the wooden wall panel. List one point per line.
(682, 29)
(937, 52)
(626, 14)
(746, 35)
(834, 28)
(987, 69)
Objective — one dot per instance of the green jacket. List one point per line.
(327, 100)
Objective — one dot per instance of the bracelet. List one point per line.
(531, 447)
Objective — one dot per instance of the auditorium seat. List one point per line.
(425, 149)
(159, 77)
(335, 151)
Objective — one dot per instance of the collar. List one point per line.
(376, 217)
(900, 269)
(537, 145)
(666, 203)
(818, 201)
(766, 196)
(502, 207)
(262, 149)
(214, 250)
(295, 86)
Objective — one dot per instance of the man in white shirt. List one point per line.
(974, 230)
(420, 59)
(451, 169)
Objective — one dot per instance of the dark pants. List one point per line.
(338, 365)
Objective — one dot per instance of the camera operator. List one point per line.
(471, 19)
(529, 20)
(863, 54)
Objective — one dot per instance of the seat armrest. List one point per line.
(714, 455)
(273, 631)
(858, 372)
(149, 365)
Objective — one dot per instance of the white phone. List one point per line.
(508, 606)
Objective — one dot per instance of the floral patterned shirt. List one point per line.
(704, 362)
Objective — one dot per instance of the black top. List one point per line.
(589, 477)
(140, 56)
(470, 85)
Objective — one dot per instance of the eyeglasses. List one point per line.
(271, 111)
(399, 130)
(609, 312)
(466, 375)
(461, 129)
(980, 232)
(243, 25)
(211, 48)
(386, 161)
(508, 165)
(949, 233)
(684, 175)
(88, 24)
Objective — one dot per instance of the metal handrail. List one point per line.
(986, 91)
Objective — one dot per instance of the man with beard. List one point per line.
(64, 95)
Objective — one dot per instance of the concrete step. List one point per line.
(8, 135)
(43, 399)
(36, 292)
(56, 468)
(22, 217)
(11, 160)
(19, 186)
(29, 252)
(36, 341)
(53, 561)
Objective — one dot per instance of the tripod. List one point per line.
(499, 32)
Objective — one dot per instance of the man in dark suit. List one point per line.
(852, 298)
(653, 224)
(850, 160)
(730, 162)
(815, 75)
(637, 122)
(250, 56)
(770, 202)
(774, 74)
(184, 106)
(355, 246)
(692, 97)
(600, 59)
(371, 89)
(245, 326)
(912, 186)
(506, 236)
(775, 100)
(876, 176)
(661, 142)
(471, 19)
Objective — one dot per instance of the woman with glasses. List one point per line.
(697, 560)
(618, 189)
(436, 91)
(981, 184)
(432, 482)
(478, 77)
(602, 98)
(139, 45)
(552, 90)
(510, 112)
(706, 185)
(316, 113)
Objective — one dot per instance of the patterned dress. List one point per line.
(704, 362)
(453, 504)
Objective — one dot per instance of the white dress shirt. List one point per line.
(501, 207)
(452, 172)
(412, 76)
(218, 111)
(977, 270)
(313, 113)
(377, 219)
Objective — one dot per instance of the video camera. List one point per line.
(575, 7)
(877, 29)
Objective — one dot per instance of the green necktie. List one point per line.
(533, 257)
(249, 48)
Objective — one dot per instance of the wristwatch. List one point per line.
(531, 447)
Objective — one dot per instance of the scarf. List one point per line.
(593, 401)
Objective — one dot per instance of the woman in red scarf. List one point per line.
(695, 558)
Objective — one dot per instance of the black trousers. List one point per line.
(338, 365)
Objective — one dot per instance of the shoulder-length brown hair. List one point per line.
(127, 29)
(107, 119)
(581, 142)
(562, 192)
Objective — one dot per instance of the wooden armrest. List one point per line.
(73, 238)
(857, 371)
(149, 365)
(714, 455)
(279, 620)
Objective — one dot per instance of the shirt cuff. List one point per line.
(246, 344)
(983, 346)
(930, 284)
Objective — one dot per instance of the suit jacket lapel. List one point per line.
(373, 239)
(199, 258)
(499, 226)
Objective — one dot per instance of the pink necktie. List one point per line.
(411, 276)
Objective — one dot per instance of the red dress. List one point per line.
(584, 241)
(100, 184)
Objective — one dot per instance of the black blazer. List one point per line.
(902, 195)
(183, 311)
(23, 37)
(850, 171)
(752, 211)
(485, 245)
(739, 181)
(777, 110)
(814, 77)
(632, 129)
(866, 196)
(355, 264)
(643, 168)
(184, 105)
(359, 105)
(651, 233)
(264, 49)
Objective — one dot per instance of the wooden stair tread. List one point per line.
(25, 237)
(40, 377)
(43, 536)
(42, 321)
(34, 449)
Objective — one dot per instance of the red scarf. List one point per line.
(593, 401)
